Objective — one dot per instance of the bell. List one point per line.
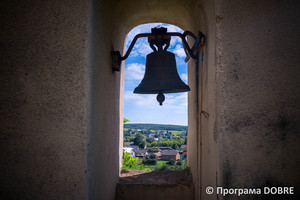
(161, 76)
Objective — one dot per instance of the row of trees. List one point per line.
(130, 132)
(142, 142)
(156, 127)
(174, 143)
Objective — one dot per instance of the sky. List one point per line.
(144, 108)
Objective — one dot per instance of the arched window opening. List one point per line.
(155, 137)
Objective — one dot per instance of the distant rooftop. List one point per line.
(184, 146)
(130, 144)
(169, 152)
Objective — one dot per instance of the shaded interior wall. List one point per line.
(203, 144)
(258, 93)
(104, 132)
(43, 99)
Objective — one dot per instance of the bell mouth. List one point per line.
(161, 75)
(137, 90)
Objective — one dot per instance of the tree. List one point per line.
(153, 156)
(179, 163)
(127, 139)
(149, 161)
(150, 140)
(138, 139)
(142, 144)
(126, 133)
(171, 162)
(175, 146)
(128, 161)
(125, 120)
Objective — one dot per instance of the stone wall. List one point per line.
(43, 99)
(258, 96)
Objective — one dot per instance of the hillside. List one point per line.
(167, 127)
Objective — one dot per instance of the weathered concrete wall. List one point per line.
(202, 144)
(258, 93)
(43, 99)
(103, 151)
(153, 191)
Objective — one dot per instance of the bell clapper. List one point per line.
(160, 98)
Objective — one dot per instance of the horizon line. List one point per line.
(153, 123)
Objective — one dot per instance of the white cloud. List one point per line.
(180, 62)
(142, 47)
(134, 71)
(175, 40)
(140, 100)
(176, 101)
(184, 77)
(179, 51)
(172, 101)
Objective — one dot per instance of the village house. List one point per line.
(183, 147)
(150, 135)
(130, 144)
(158, 155)
(129, 150)
(140, 153)
(170, 155)
(165, 148)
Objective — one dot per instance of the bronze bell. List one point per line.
(161, 76)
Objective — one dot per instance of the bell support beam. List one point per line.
(190, 52)
(116, 56)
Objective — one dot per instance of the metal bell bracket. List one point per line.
(161, 38)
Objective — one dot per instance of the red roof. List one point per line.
(184, 146)
(158, 154)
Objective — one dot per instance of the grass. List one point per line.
(177, 133)
(161, 165)
(153, 167)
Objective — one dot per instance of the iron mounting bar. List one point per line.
(161, 34)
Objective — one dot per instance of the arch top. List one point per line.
(129, 14)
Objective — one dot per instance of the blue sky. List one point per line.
(144, 108)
